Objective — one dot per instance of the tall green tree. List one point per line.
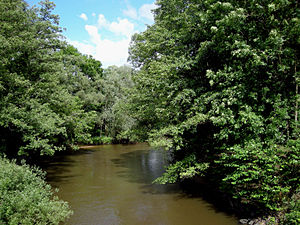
(114, 118)
(84, 79)
(217, 83)
(38, 114)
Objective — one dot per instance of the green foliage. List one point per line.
(292, 216)
(51, 96)
(114, 119)
(49, 93)
(219, 80)
(25, 198)
(261, 175)
(102, 140)
(184, 169)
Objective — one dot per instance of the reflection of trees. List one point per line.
(142, 166)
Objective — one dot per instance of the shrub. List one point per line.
(25, 197)
(102, 140)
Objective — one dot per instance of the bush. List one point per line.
(25, 198)
(102, 140)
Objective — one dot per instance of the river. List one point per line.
(112, 185)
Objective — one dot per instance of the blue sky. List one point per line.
(103, 28)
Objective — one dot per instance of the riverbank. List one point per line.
(247, 214)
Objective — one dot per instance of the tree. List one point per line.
(114, 117)
(84, 79)
(216, 83)
(38, 114)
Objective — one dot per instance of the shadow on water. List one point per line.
(144, 166)
(60, 166)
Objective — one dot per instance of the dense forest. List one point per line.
(214, 82)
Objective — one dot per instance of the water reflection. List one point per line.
(112, 184)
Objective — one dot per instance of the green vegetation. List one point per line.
(38, 114)
(26, 199)
(114, 117)
(51, 99)
(217, 83)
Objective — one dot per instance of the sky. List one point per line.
(103, 28)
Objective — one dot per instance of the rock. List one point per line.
(243, 221)
(251, 222)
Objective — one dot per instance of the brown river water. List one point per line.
(112, 185)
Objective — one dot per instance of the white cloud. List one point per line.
(120, 27)
(107, 51)
(145, 11)
(83, 47)
(83, 16)
(112, 52)
(123, 27)
(102, 22)
(130, 12)
(113, 49)
(93, 32)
